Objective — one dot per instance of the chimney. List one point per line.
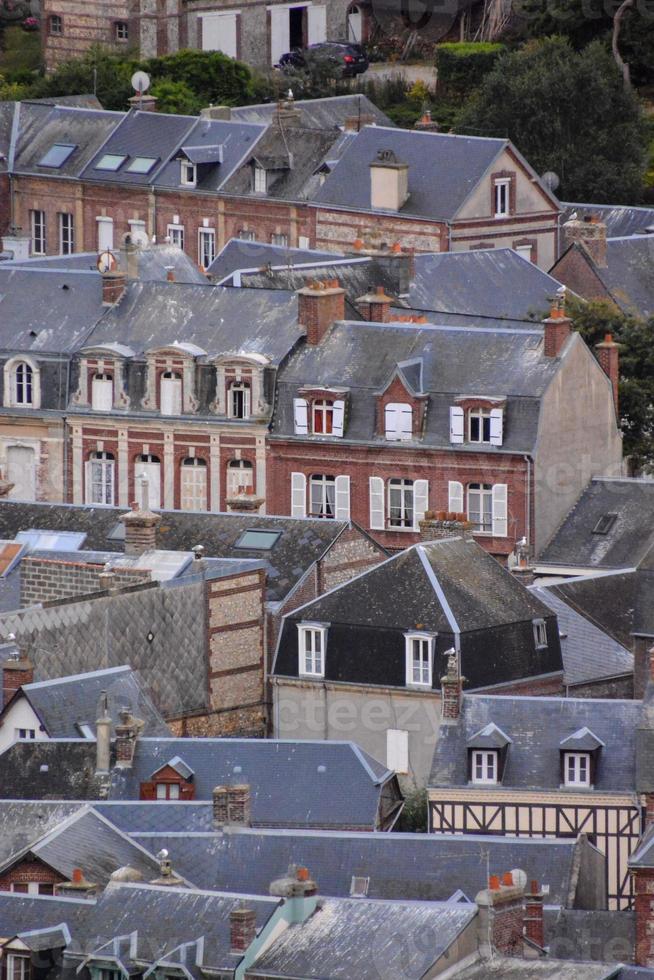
(608, 354)
(354, 124)
(242, 927)
(114, 285)
(501, 917)
(435, 526)
(375, 306)
(231, 805)
(16, 669)
(319, 305)
(77, 887)
(166, 874)
(103, 738)
(590, 232)
(288, 114)
(426, 124)
(140, 530)
(219, 112)
(127, 731)
(170, 273)
(534, 924)
(389, 182)
(557, 327)
(299, 890)
(143, 101)
(522, 568)
(451, 688)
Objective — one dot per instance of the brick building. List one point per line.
(70, 28)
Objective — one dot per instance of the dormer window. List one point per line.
(487, 751)
(239, 401)
(188, 173)
(19, 967)
(419, 649)
(171, 393)
(102, 392)
(540, 634)
(23, 384)
(479, 425)
(579, 758)
(175, 780)
(260, 180)
(323, 417)
(398, 421)
(485, 766)
(577, 768)
(311, 649)
(326, 416)
(483, 425)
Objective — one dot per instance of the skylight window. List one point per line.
(57, 155)
(605, 523)
(141, 165)
(258, 540)
(111, 161)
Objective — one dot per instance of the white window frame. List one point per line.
(167, 791)
(193, 484)
(245, 389)
(572, 774)
(487, 762)
(484, 493)
(207, 235)
(247, 235)
(121, 30)
(279, 239)
(540, 634)
(240, 473)
(322, 408)
(101, 383)
(23, 384)
(100, 473)
(502, 197)
(37, 232)
(396, 417)
(482, 416)
(322, 483)
(397, 750)
(525, 251)
(312, 639)
(404, 488)
(66, 233)
(176, 235)
(419, 652)
(13, 960)
(26, 733)
(260, 180)
(188, 173)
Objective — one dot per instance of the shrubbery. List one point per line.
(462, 66)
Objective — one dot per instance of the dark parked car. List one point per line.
(351, 58)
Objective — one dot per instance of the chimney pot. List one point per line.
(507, 879)
(591, 233)
(494, 882)
(77, 875)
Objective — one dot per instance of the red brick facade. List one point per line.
(30, 871)
(643, 880)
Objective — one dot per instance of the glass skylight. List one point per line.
(111, 161)
(141, 165)
(258, 540)
(57, 155)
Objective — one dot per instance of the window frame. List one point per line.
(176, 231)
(315, 655)
(323, 482)
(25, 384)
(502, 184)
(210, 235)
(66, 232)
(403, 486)
(259, 180)
(25, 971)
(119, 26)
(185, 167)
(233, 485)
(425, 664)
(38, 232)
(485, 491)
(483, 417)
(482, 758)
(197, 488)
(175, 396)
(106, 462)
(103, 377)
(279, 239)
(577, 758)
(58, 20)
(245, 389)
(322, 409)
(540, 634)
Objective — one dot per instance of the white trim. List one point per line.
(315, 656)
(410, 662)
(576, 759)
(484, 756)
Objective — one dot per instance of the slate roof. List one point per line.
(443, 170)
(65, 704)
(589, 654)
(619, 603)
(358, 938)
(577, 934)
(238, 253)
(548, 969)
(316, 113)
(620, 220)
(154, 262)
(140, 134)
(301, 542)
(536, 727)
(400, 866)
(627, 541)
(24, 821)
(235, 139)
(209, 317)
(627, 277)
(39, 126)
(456, 361)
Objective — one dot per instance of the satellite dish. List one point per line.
(140, 82)
(519, 878)
(106, 262)
(551, 180)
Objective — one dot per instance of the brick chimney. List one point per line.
(389, 182)
(231, 805)
(523, 569)
(426, 123)
(608, 354)
(375, 306)
(140, 530)
(143, 101)
(288, 113)
(103, 737)
(556, 328)
(354, 124)
(299, 891)
(77, 887)
(501, 917)
(16, 669)
(437, 525)
(590, 232)
(242, 927)
(319, 305)
(114, 285)
(451, 688)
(534, 923)
(128, 730)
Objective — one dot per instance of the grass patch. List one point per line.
(20, 52)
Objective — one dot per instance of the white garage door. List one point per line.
(219, 33)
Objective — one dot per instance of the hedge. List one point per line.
(463, 65)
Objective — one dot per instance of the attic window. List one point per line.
(605, 523)
(260, 180)
(57, 155)
(188, 173)
(111, 161)
(359, 886)
(256, 540)
(141, 165)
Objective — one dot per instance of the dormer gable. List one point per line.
(171, 383)
(402, 403)
(487, 754)
(174, 780)
(240, 385)
(102, 383)
(580, 754)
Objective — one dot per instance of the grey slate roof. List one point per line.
(620, 219)
(619, 603)
(154, 262)
(456, 361)
(301, 542)
(519, 969)
(66, 703)
(317, 113)
(577, 934)
(626, 542)
(589, 654)
(238, 253)
(357, 938)
(235, 139)
(140, 134)
(443, 170)
(629, 275)
(40, 125)
(400, 866)
(24, 821)
(536, 727)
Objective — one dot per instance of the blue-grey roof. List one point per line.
(24, 821)
(65, 704)
(620, 219)
(629, 273)
(627, 539)
(240, 254)
(39, 126)
(235, 140)
(443, 170)
(357, 938)
(400, 866)
(328, 113)
(153, 262)
(536, 727)
(589, 654)
(151, 135)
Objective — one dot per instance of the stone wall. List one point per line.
(47, 579)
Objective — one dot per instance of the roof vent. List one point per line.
(359, 886)
(322, 769)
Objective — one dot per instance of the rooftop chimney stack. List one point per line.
(557, 327)
(140, 526)
(534, 924)
(389, 182)
(319, 305)
(103, 738)
(242, 927)
(16, 669)
(114, 285)
(128, 730)
(299, 891)
(77, 887)
(608, 355)
(143, 101)
(451, 688)
(436, 525)
(589, 231)
(501, 917)
(375, 306)
(231, 805)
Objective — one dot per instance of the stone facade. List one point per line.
(72, 27)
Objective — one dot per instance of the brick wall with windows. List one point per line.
(72, 27)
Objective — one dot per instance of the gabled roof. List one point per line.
(620, 219)
(178, 764)
(629, 273)
(219, 149)
(619, 603)
(39, 126)
(64, 705)
(488, 737)
(329, 113)
(238, 254)
(582, 740)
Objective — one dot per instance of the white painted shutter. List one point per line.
(496, 426)
(280, 37)
(456, 424)
(397, 750)
(102, 394)
(500, 510)
(171, 396)
(317, 24)
(149, 494)
(390, 423)
(342, 498)
(420, 500)
(338, 416)
(219, 33)
(455, 497)
(21, 471)
(105, 234)
(405, 422)
(298, 495)
(301, 416)
(376, 485)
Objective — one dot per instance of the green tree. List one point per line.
(568, 112)
(413, 818)
(176, 97)
(211, 75)
(98, 71)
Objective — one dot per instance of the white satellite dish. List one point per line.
(551, 180)
(140, 82)
(106, 262)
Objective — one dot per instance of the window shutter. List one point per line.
(420, 500)
(455, 497)
(390, 421)
(405, 422)
(102, 394)
(298, 495)
(88, 480)
(500, 510)
(496, 426)
(338, 416)
(456, 423)
(376, 503)
(397, 750)
(301, 415)
(342, 498)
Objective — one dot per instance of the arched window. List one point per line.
(100, 478)
(23, 384)
(239, 400)
(240, 474)
(102, 393)
(171, 393)
(148, 490)
(194, 484)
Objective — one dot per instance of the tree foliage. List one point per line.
(569, 112)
